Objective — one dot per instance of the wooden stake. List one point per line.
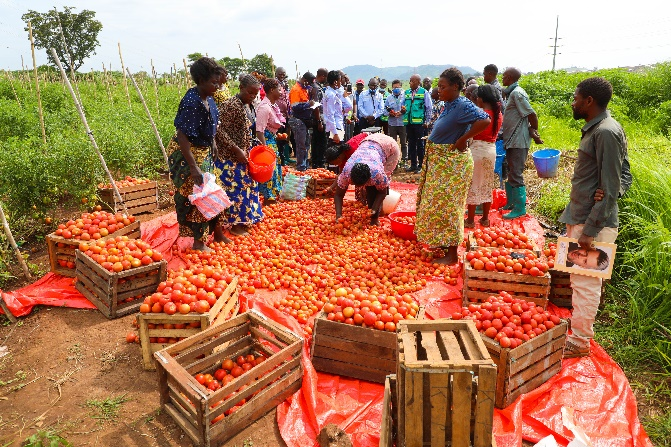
(11, 83)
(67, 53)
(151, 120)
(106, 81)
(24, 75)
(12, 319)
(88, 131)
(186, 75)
(12, 242)
(37, 84)
(153, 72)
(123, 71)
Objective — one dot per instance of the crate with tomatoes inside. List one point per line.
(140, 195)
(560, 282)
(499, 237)
(521, 273)
(187, 303)
(445, 385)
(115, 274)
(524, 340)
(97, 225)
(320, 180)
(219, 381)
(355, 336)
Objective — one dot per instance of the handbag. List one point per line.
(209, 198)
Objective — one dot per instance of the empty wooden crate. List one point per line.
(446, 384)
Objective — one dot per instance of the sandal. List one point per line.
(484, 222)
(469, 224)
(573, 351)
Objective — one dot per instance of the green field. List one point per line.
(635, 325)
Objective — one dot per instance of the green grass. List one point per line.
(46, 438)
(107, 409)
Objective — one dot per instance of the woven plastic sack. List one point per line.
(209, 198)
(294, 186)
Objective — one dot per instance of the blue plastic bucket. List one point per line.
(546, 162)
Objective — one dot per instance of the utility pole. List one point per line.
(554, 53)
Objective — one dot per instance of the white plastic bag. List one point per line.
(294, 186)
(209, 198)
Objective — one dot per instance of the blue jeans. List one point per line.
(301, 137)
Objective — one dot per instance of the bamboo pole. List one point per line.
(153, 72)
(151, 120)
(106, 81)
(11, 84)
(12, 242)
(125, 84)
(24, 75)
(67, 53)
(37, 84)
(89, 132)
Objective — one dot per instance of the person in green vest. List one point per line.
(418, 112)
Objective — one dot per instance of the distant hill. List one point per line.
(403, 73)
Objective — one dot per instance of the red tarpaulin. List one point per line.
(594, 387)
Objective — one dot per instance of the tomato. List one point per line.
(227, 364)
(237, 371)
(240, 360)
(200, 378)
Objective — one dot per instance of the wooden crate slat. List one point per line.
(482, 296)
(482, 436)
(430, 345)
(353, 358)
(356, 333)
(531, 385)
(280, 332)
(187, 407)
(509, 287)
(451, 346)
(440, 406)
(386, 429)
(187, 350)
(462, 383)
(349, 370)
(414, 410)
(328, 341)
(241, 344)
(542, 351)
(524, 376)
(184, 423)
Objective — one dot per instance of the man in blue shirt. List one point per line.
(394, 109)
(355, 103)
(370, 106)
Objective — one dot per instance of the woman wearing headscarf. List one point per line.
(369, 168)
(191, 151)
(483, 150)
(234, 140)
(268, 120)
(447, 169)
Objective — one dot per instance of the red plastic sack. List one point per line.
(209, 198)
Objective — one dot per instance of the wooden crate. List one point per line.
(316, 186)
(62, 251)
(472, 245)
(446, 384)
(117, 294)
(138, 198)
(561, 293)
(388, 431)
(528, 366)
(227, 306)
(353, 351)
(193, 408)
(481, 284)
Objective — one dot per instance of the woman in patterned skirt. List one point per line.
(448, 168)
(483, 150)
(191, 151)
(234, 140)
(268, 120)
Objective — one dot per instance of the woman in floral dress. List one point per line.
(448, 168)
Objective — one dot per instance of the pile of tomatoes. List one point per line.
(407, 220)
(302, 250)
(508, 320)
(193, 290)
(128, 181)
(523, 262)
(120, 253)
(377, 312)
(316, 173)
(95, 225)
(550, 252)
(501, 237)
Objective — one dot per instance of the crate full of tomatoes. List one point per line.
(140, 195)
(115, 274)
(219, 381)
(355, 335)
(519, 272)
(93, 226)
(187, 303)
(500, 237)
(524, 340)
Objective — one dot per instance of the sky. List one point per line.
(306, 35)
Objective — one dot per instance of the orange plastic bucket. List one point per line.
(262, 162)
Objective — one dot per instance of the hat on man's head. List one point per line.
(309, 76)
(360, 81)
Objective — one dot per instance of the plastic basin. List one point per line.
(262, 161)
(546, 162)
(400, 229)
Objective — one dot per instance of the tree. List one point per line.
(80, 32)
(193, 57)
(234, 66)
(262, 64)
